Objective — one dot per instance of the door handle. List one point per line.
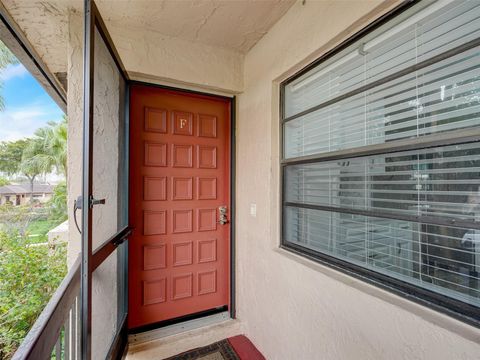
(222, 210)
(78, 205)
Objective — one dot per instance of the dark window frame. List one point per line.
(457, 309)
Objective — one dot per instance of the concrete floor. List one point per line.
(175, 344)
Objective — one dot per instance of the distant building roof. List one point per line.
(25, 189)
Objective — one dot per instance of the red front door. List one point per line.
(179, 178)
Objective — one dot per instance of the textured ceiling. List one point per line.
(45, 26)
(232, 24)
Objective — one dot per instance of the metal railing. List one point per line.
(67, 346)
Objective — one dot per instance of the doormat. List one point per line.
(221, 350)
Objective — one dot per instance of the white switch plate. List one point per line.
(253, 209)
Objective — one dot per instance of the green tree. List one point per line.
(57, 146)
(32, 166)
(57, 205)
(6, 58)
(45, 151)
(29, 277)
(11, 153)
(48, 148)
(19, 157)
(4, 181)
(52, 142)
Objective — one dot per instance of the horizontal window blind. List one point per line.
(410, 211)
(442, 97)
(439, 181)
(438, 258)
(440, 27)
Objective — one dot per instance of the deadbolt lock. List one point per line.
(222, 210)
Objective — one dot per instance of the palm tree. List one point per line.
(48, 147)
(6, 58)
(57, 146)
(32, 163)
(46, 151)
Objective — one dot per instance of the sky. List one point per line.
(27, 105)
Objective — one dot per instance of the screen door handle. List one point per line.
(94, 202)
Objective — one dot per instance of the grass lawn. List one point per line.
(38, 230)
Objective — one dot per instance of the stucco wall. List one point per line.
(148, 55)
(75, 128)
(293, 308)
